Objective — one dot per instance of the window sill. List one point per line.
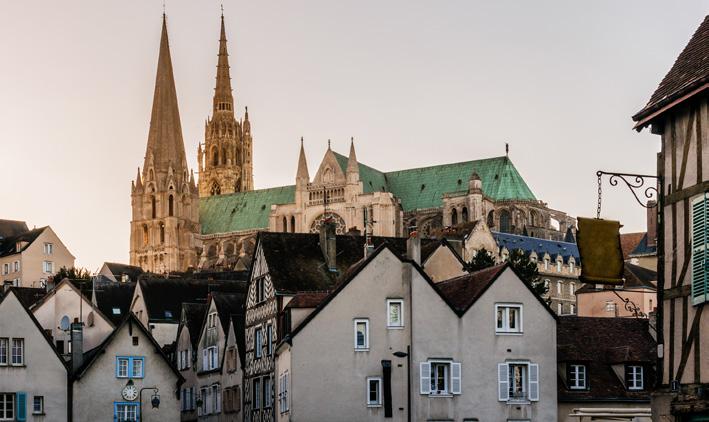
(442, 395)
(374, 406)
(38, 414)
(508, 333)
(13, 366)
(518, 401)
(361, 350)
(395, 327)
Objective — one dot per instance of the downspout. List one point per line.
(409, 348)
(659, 323)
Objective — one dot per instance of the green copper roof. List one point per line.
(243, 210)
(418, 188)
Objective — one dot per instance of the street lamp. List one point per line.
(154, 400)
(407, 355)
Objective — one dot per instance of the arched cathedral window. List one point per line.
(145, 234)
(491, 219)
(464, 214)
(153, 208)
(285, 225)
(215, 157)
(216, 189)
(162, 233)
(454, 217)
(292, 224)
(505, 221)
(171, 205)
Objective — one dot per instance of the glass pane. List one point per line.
(395, 313)
(137, 368)
(500, 318)
(512, 318)
(361, 333)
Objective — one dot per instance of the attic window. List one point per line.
(116, 311)
(168, 314)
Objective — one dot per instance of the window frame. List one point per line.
(129, 367)
(127, 404)
(6, 349)
(573, 369)
(390, 324)
(633, 378)
(269, 339)
(365, 346)
(258, 343)
(6, 398)
(256, 393)
(378, 402)
(283, 392)
(41, 405)
(699, 292)
(21, 341)
(505, 330)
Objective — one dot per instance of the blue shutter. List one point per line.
(700, 265)
(21, 406)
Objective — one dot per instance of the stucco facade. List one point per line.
(98, 389)
(37, 261)
(41, 374)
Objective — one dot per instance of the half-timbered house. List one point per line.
(678, 111)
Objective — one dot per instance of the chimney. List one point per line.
(77, 346)
(328, 244)
(413, 247)
(652, 223)
(6, 286)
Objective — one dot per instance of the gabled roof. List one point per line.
(296, 262)
(429, 247)
(689, 74)
(41, 330)
(28, 295)
(8, 245)
(629, 241)
(164, 296)
(643, 249)
(307, 299)
(132, 321)
(9, 228)
(84, 296)
(114, 295)
(600, 343)
(463, 291)
(528, 244)
(192, 316)
(229, 304)
(230, 309)
(119, 269)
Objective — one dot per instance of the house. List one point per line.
(124, 376)
(639, 289)
(157, 302)
(428, 351)
(29, 257)
(120, 272)
(606, 368)
(219, 358)
(33, 376)
(66, 304)
(677, 111)
(113, 299)
(188, 334)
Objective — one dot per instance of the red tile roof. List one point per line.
(461, 292)
(628, 242)
(307, 299)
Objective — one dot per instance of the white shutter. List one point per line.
(699, 250)
(425, 375)
(533, 382)
(216, 357)
(205, 359)
(503, 382)
(455, 378)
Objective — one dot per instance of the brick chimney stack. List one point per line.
(652, 223)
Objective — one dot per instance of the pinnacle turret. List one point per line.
(223, 97)
(302, 177)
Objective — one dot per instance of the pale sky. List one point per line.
(415, 82)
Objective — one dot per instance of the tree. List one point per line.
(72, 273)
(527, 270)
(482, 259)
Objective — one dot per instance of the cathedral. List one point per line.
(179, 223)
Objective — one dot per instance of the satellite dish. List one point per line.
(90, 319)
(65, 323)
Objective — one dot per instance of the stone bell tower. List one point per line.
(164, 197)
(225, 160)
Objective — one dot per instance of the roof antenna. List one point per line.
(507, 149)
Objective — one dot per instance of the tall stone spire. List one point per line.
(223, 97)
(165, 144)
(352, 165)
(302, 177)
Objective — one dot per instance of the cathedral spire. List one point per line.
(223, 98)
(302, 176)
(352, 164)
(138, 181)
(165, 144)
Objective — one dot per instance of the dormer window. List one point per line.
(634, 377)
(558, 266)
(212, 320)
(577, 377)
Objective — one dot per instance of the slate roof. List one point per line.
(229, 304)
(643, 249)
(9, 228)
(114, 295)
(192, 316)
(119, 269)
(296, 262)
(164, 297)
(418, 188)
(8, 246)
(628, 242)
(600, 343)
(635, 276)
(689, 72)
(541, 246)
(28, 295)
(463, 291)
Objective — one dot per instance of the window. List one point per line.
(571, 267)
(267, 396)
(17, 266)
(572, 309)
(260, 294)
(18, 351)
(546, 264)
(48, 267)
(5, 269)
(269, 340)
(152, 206)
(215, 401)
(130, 367)
(171, 205)
(162, 233)
(48, 248)
(4, 350)
(125, 412)
(116, 311)
(700, 254)
(440, 377)
(610, 306)
(374, 392)
(558, 288)
(7, 406)
(395, 313)
(256, 394)
(634, 377)
(135, 340)
(572, 288)
(559, 308)
(210, 358)
(518, 381)
(212, 320)
(283, 392)
(38, 405)
(558, 266)
(258, 343)
(204, 394)
(577, 377)
(231, 359)
(509, 318)
(361, 334)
